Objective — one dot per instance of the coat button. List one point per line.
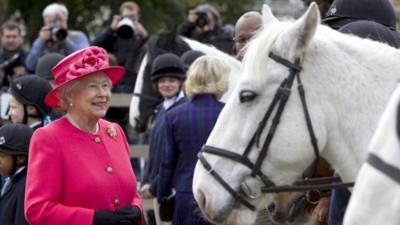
(97, 139)
(116, 202)
(109, 169)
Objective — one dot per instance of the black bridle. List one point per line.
(384, 167)
(277, 105)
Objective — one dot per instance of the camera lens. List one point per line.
(125, 28)
(202, 19)
(59, 33)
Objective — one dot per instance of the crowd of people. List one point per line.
(61, 162)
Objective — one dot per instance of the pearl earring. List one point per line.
(70, 104)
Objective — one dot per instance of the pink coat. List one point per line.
(71, 173)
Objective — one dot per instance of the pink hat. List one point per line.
(81, 64)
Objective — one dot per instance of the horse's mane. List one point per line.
(355, 48)
(259, 48)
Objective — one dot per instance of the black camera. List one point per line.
(59, 33)
(126, 27)
(202, 19)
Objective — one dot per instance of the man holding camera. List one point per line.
(12, 55)
(125, 39)
(204, 24)
(54, 36)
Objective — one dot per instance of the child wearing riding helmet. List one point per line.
(14, 145)
(26, 104)
(168, 73)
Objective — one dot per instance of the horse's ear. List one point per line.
(304, 28)
(267, 15)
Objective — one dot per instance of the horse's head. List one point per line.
(146, 98)
(261, 137)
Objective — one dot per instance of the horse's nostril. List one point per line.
(271, 208)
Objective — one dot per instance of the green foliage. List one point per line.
(92, 15)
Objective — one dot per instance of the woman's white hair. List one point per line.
(55, 9)
(207, 74)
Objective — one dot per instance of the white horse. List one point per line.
(347, 82)
(135, 112)
(375, 197)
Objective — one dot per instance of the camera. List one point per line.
(202, 19)
(59, 33)
(125, 27)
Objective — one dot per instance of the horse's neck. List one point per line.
(354, 93)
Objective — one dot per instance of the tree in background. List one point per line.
(90, 16)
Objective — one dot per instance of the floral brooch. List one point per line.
(111, 131)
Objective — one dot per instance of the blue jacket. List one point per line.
(156, 144)
(187, 129)
(75, 41)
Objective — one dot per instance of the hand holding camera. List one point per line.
(127, 26)
(199, 18)
(124, 26)
(202, 19)
(53, 33)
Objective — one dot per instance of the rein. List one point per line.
(277, 105)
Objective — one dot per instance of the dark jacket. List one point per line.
(9, 60)
(187, 129)
(12, 203)
(156, 144)
(128, 53)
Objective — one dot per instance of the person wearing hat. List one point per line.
(79, 170)
(187, 128)
(342, 12)
(190, 56)
(26, 104)
(167, 74)
(45, 64)
(14, 146)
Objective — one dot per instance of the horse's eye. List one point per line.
(247, 96)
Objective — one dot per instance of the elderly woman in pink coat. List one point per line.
(79, 170)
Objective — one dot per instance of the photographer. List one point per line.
(204, 24)
(125, 39)
(12, 55)
(54, 36)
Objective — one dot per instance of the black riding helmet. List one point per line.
(190, 56)
(372, 30)
(31, 90)
(15, 138)
(46, 63)
(168, 65)
(342, 12)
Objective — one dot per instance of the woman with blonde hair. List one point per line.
(187, 129)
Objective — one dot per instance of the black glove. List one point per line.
(130, 215)
(125, 216)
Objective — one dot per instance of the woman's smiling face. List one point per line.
(92, 97)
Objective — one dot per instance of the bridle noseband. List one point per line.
(278, 102)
